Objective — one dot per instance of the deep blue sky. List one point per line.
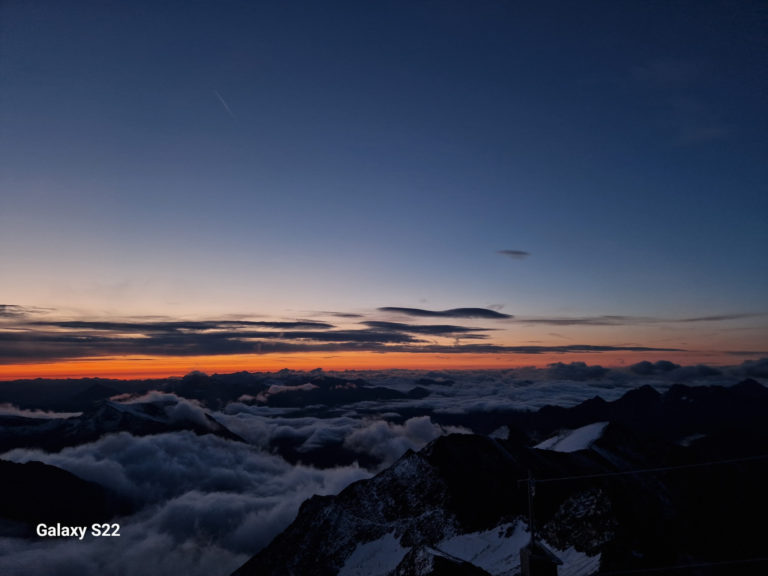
(283, 158)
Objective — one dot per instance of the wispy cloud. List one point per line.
(674, 84)
(433, 330)
(224, 104)
(343, 314)
(719, 317)
(17, 311)
(607, 320)
(7, 409)
(179, 326)
(574, 348)
(10, 310)
(620, 320)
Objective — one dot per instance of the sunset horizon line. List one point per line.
(175, 368)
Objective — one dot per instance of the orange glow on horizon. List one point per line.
(138, 367)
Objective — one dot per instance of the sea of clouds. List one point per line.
(205, 504)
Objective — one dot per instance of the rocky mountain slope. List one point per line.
(670, 479)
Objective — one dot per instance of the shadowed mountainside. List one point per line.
(657, 488)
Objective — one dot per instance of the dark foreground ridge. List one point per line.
(675, 479)
(32, 494)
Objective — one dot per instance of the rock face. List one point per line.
(673, 479)
(409, 499)
(458, 484)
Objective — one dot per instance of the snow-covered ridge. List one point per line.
(376, 558)
(496, 550)
(574, 440)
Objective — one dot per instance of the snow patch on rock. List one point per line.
(376, 558)
(574, 440)
(498, 551)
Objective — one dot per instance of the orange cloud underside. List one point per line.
(129, 367)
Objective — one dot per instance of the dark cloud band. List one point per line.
(180, 326)
(433, 330)
(26, 339)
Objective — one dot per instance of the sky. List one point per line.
(232, 186)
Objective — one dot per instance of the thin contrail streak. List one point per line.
(224, 103)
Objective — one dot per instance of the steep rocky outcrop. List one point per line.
(657, 488)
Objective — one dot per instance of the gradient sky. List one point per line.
(596, 171)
